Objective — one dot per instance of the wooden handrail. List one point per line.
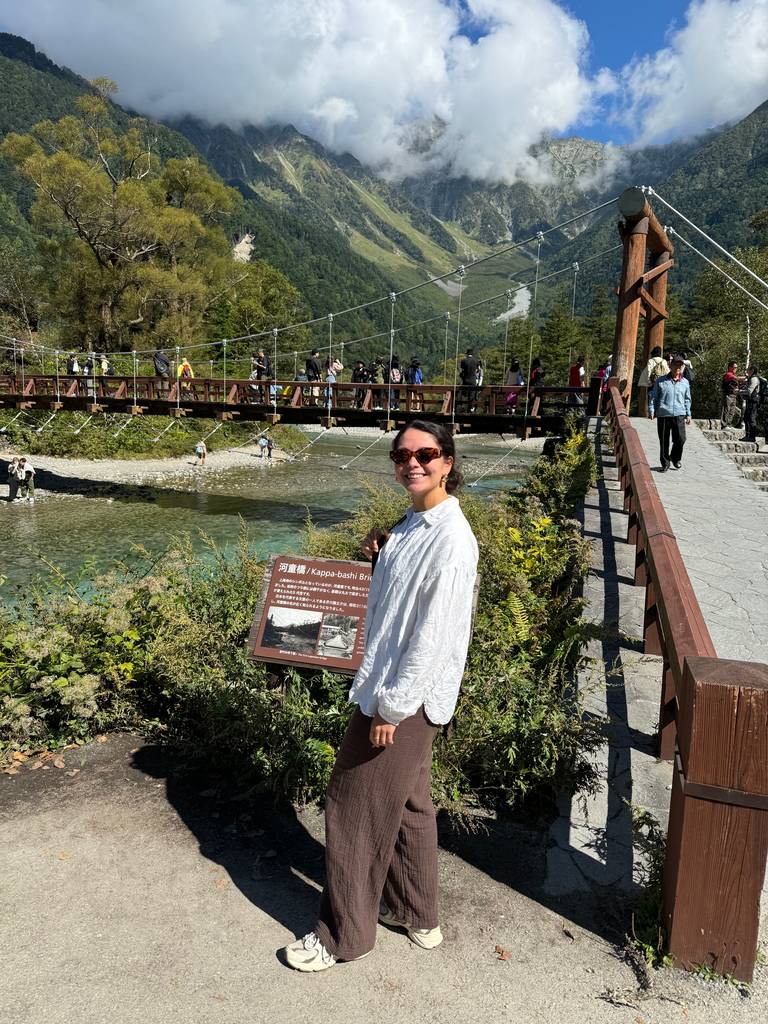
(713, 723)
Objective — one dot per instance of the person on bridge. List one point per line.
(73, 366)
(537, 373)
(261, 370)
(730, 390)
(360, 375)
(185, 374)
(312, 369)
(380, 828)
(669, 403)
(576, 374)
(514, 379)
(162, 366)
(468, 375)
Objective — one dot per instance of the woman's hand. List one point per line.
(372, 542)
(382, 734)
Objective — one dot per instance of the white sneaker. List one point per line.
(427, 938)
(309, 954)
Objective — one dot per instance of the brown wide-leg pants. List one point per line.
(380, 836)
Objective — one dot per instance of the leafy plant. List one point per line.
(144, 645)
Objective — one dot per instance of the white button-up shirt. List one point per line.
(419, 617)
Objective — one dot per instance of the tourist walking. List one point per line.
(162, 366)
(270, 448)
(201, 451)
(752, 403)
(730, 394)
(669, 403)
(185, 374)
(26, 474)
(415, 375)
(73, 366)
(468, 375)
(380, 828)
(263, 442)
(261, 370)
(576, 374)
(395, 377)
(13, 479)
(514, 379)
(657, 366)
(537, 374)
(312, 369)
(377, 374)
(360, 375)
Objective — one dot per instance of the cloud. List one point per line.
(714, 70)
(406, 86)
(369, 77)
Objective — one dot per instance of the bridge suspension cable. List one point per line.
(649, 190)
(672, 231)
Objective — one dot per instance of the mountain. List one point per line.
(720, 185)
(344, 236)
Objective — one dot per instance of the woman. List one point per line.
(381, 834)
(513, 379)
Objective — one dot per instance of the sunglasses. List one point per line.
(402, 456)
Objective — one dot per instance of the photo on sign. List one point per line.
(292, 629)
(337, 636)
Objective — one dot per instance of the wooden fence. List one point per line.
(713, 725)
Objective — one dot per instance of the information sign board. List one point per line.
(312, 612)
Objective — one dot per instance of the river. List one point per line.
(274, 502)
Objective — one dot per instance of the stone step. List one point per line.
(730, 434)
(755, 472)
(750, 459)
(735, 446)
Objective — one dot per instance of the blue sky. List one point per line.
(618, 31)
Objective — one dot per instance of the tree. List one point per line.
(133, 247)
(560, 338)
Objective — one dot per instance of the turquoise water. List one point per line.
(273, 501)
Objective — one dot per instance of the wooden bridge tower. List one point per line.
(642, 292)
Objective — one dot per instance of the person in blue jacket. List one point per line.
(669, 403)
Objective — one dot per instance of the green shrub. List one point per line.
(169, 646)
(97, 440)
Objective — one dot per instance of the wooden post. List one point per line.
(634, 236)
(641, 230)
(718, 828)
(656, 287)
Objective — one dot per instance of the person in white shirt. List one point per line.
(381, 833)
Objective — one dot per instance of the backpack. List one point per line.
(395, 376)
(655, 371)
(418, 376)
(762, 394)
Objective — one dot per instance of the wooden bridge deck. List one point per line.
(472, 410)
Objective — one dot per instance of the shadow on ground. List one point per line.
(275, 855)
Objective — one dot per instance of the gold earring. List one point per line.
(443, 480)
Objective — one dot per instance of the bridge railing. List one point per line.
(713, 724)
(434, 399)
